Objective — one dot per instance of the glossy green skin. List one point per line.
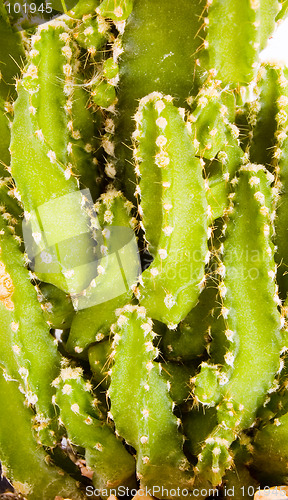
(189, 340)
(164, 465)
(36, 354)
(11, 55)
(105, 455)
(26, 462)
(229, 53)
(248, 258)
(57, 307)
(166, 65)
(280, 153)
(93, 323)
(167, 297)
(41, 150)
(263, 118)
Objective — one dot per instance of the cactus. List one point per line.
(143, 131)
(28, 467)
(12, 55)
(232, 58)
(164, 298)
(246, 264)
(35, 372)
(114, 213)
(147, 398)
(57, 307)
(105, 455)
(49, 154)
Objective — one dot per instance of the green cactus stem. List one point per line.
(171, 285)
(216, 139)
(237, 30)
(92, 323)
(43, 147)
(34, 349)
(270, 447)
(167, 65)
(139, 407)
(9, 205)
(178, 376)
(283, 10)
(103, 84)
(262, 115)
(11, 55)
(105, 455)
(25, 464)
(118, 10)
(57, 306)
(248, 271)
(92, 33)
(189, 340)
(280, 165)
(99, 362)
(238, 482)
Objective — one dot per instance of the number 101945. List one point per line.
(16, 8)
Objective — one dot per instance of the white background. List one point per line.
(277, 48)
